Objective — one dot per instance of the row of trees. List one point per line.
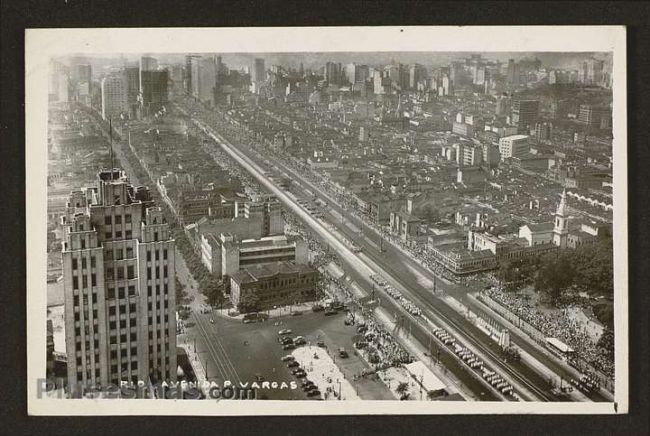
(588, 268)
(209, 285)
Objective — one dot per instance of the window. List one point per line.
(75, 282)
(128, 234)
(92, 262)
(120, 273)
(149, 289)
(155, 236)
(130, 271)
(157, 255)
(165, 254)
(123, 352)
(148, 256)
(123, 324)
(133, 337)
(93, 279)
(127, 218)
(109, 272)
(111, 293)
(83, 262)
(119, 255)
(113, 325)
(118, 219)
(74, 263)
(107, 220)
(94, 298)
(134, 351)
(120, 292)
(77, 331)
(149, 273)
(111, 310)
(165, 271)
(129, 250)
(131, 290)
(122, 338)
(84, 282)
(109, 235)
(76, 316)
(134, 365)
(118, 233)
(83, 244)
(132, 308)
(166, 288)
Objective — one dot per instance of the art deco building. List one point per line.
(119, 285)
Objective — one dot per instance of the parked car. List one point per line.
(301, 374)
(300, 341)
(297, 370)
(296, 313)
(348, 322)
(317, 308)
(285, 341)
(330, 312)
(288, 358)
(289, 347)
(292, 364)
(285, 332)
(342, 352)
(321, 344)
(313, 393)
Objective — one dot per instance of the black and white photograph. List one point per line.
(414, 220)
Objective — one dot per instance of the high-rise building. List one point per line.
(593, 115)
(119, 286)
(133, 90)
(84, 73)
(543, 131)
(417, 73)
(258, 72)
(513, 146)
(148, 63)
(513, 73)
(502, 106)
(333, 72)
(155, 91)
(114, 96)
(207, 79)
(525, 113)
(590, 71)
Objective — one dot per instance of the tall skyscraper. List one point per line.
(590, 71)
(207, 79)
(333, 72)
(114, 96)
(148, 63)
(119, 286)
(155, 91)
(258, 72)
(525, 113)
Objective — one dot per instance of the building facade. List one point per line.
(119, 286)
(262, 287)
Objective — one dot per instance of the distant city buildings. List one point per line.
(114, 96)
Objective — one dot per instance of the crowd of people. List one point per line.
(379, 347)
(562, 327)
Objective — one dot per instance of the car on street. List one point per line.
(300, 341)
(289, 347)
(292, 364)
(296, 313)
(362, 329)
(296, 370)
(321, 344)
(301, 374)
(286, 340)
(288, 358)
(348, 322)
(285, 332)
(317, 308)
(330, 312)
(342, 352)
(313, 393)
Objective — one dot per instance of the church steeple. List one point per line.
(561, 228)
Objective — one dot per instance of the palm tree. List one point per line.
(402, 387)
